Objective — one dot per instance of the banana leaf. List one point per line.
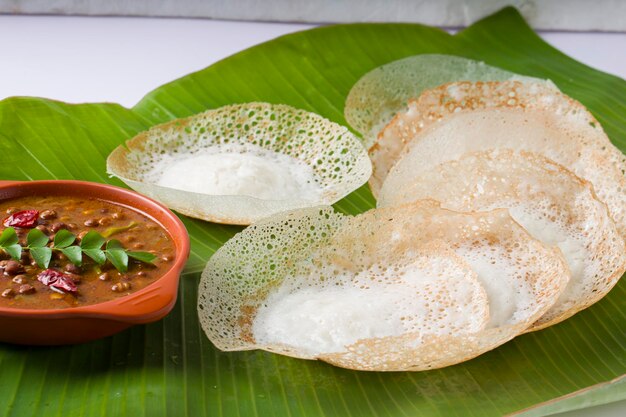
(171, 368)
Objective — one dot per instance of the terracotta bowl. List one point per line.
(85, 323)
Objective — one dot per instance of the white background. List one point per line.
(90, 59)
(93, 59)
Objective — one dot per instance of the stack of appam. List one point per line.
(499, 211)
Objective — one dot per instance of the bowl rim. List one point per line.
(120, 309)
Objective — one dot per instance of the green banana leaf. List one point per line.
(171, 368)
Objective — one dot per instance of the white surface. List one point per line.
(84, 59)
(90, 59)
(238, 170)
(80, 59)
(542, 14)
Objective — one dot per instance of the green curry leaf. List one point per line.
(36, 239)
(8, 237)
(15, 251)
(114, 230)
(63, 239)
(74, 254)
(114, 244)
(90, 245)
(146, 257)
(92, 240)
(41, 255)
(96, 254)
(118, 258)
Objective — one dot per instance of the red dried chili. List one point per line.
(57, 281)
(24, 218)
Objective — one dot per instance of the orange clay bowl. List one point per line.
(95, 321)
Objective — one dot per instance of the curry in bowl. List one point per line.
(65, 251)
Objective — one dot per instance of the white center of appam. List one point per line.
(511, 297)
(555, 234)
(237, 170)
(430, 297)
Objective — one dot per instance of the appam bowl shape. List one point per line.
(467, 117)
(406, 288)
(241, 163)
(381, 93)
(551, 203)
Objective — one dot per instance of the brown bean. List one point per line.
(13, 268)
(72, 225)
(91, 223)
(167, 257)
(104, 276)
(105, 221)
(142, 274)
(26, 289)
(43, 229)
(48, 214)
(57, 226)
(25, 258)
(74, 269)
(12, 210)
(20, 279)
(8, 293)
(117, 215)
(120, 287)
(104, 210)
(138, 245)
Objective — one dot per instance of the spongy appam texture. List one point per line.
(542, 196)
(337, 157)
(317, 248)
(521, 276)
(434, 104)
(339, 299)
(243, 271)
(379, 94)
(298, 250)
(457, 118)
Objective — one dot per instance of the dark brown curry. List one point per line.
(21, 283)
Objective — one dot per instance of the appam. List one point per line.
(240, 163)
(550, 202)
(405, 288)
(377, 96)
(457, 118)
(437, 103)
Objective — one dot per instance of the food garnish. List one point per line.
(90, 245)
(57, 281)
(24, 218)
